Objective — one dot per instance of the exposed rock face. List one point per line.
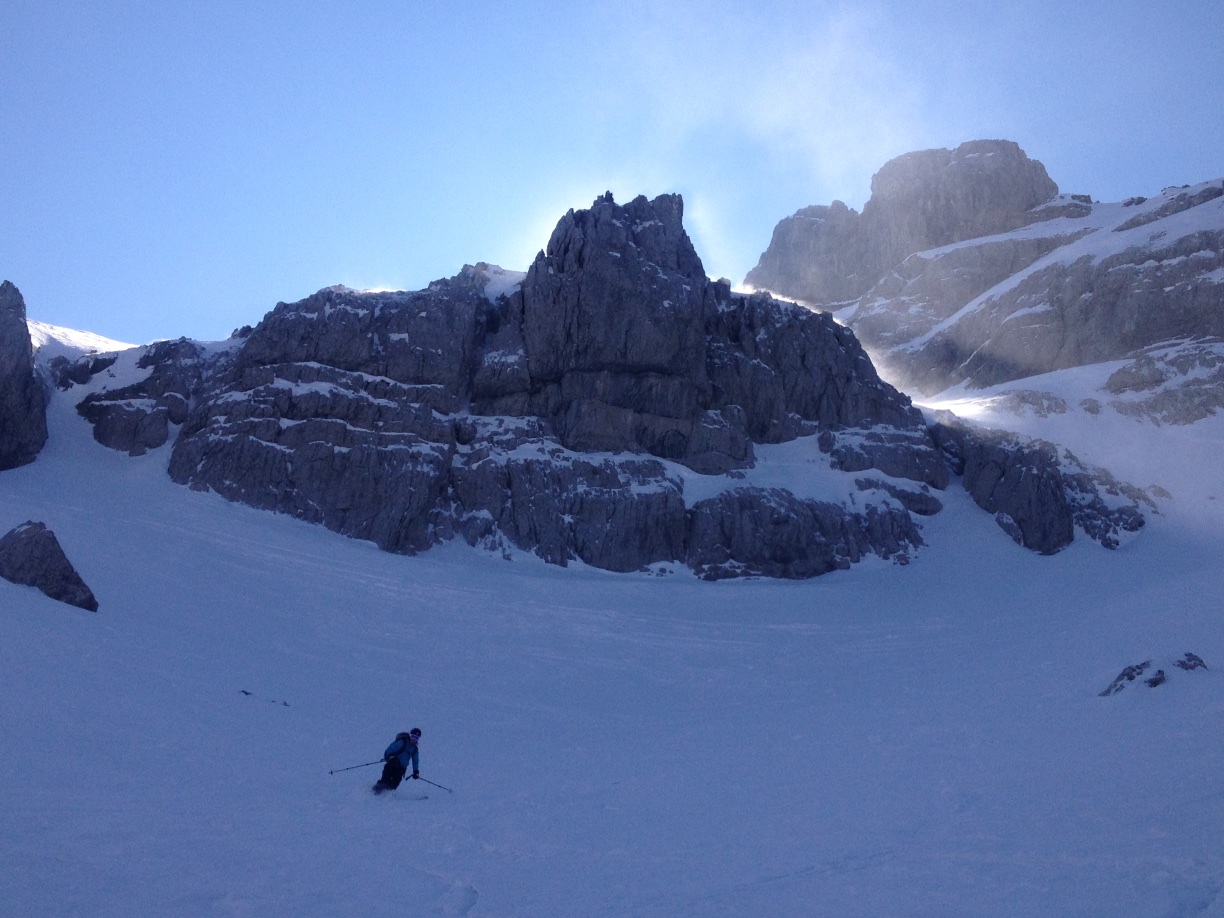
(918, 201)
(773, 533)
(1020, 484)
(1179, 383)
(556, 415)
(1052, 296)
(31, 555)
(66, 373)
(1037, 491)
(23, 403)
(1087, 311)
(928, 288)
(967, 266)
(137, 418)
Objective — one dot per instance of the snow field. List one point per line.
(892, 740)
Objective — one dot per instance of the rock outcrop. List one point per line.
(1177, 383)
(919, 201)
(611, 405)
(137, 418)
(31, 555)
(560, 414)
(967, 267)
(771, 532)
(1188, 662)
(1054, 295)
(1081, 304)
(1037, 491)
(23, 402)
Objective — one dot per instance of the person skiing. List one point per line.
(401, 752)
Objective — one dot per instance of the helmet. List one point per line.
(415, 732)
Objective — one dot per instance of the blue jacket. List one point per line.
(404, 749)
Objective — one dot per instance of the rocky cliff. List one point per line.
(831, 254)
(1018, 293)
(23, 405)
(560, 417)
(1065, 293)
(611, 405)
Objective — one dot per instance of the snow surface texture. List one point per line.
(891, 740)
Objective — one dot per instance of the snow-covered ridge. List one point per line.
(1102, 286)
(52, 341)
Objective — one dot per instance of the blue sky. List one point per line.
(177, 168)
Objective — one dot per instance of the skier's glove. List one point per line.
(416, 775)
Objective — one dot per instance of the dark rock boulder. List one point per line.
(1129, 674)
(1188, 662)
(31, 555)
(23, 402)
(918, 201)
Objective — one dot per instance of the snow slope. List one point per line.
(891, 740)
(55, 341)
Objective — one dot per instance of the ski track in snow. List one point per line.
(891, 740)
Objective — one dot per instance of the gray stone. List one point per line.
(137, 418)
(616, 515)
(1021, 483)
(1176, 384)
(1129, 674)
(918, 201)
(1088, 311)
(67, 373)
(31, 555)
(1003, 308)
(921, 502)
(900, 453)
(1176, 205)
(1038, 492)
(539, 419)
(23, 401)
(772, 533)
(1190, 662)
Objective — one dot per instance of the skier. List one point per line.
(403, 749)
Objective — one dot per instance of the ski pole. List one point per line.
(351, 767)
(427, 781)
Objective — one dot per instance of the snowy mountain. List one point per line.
(926, 739)
(612, 405)
(903, 739)
(969, 268)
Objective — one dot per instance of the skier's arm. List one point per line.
(392, 750)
